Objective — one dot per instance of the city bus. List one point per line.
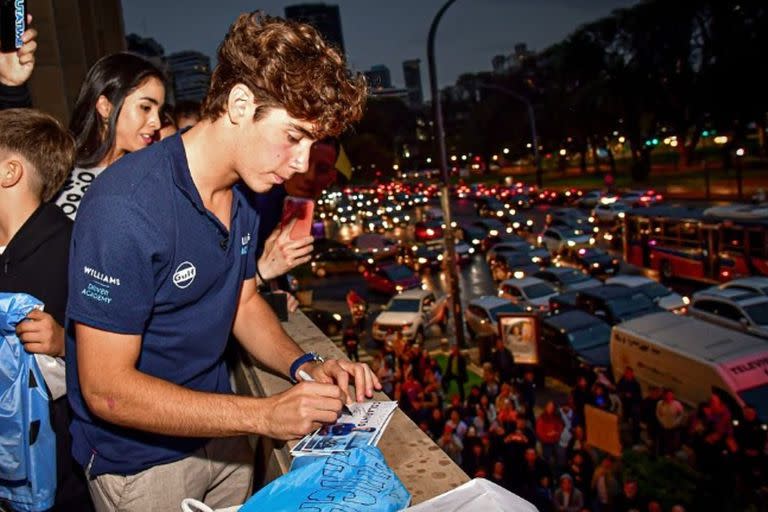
(711, 245)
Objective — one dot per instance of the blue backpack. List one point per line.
(27, 441)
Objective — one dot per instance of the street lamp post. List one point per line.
(531, 121)
(452, 277)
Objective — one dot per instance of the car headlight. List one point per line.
(529, 222)
(591, 219)
(591, 241)
(686, 300)
(519, 274)
(471, 250)
(516, 225)
(571, 243)
(439, 257)
(595, 229)
(595, 265)
(398, 288)
(422, 261)
(536, 259)
(313, 264)
(337, 317)
(499, 214)
(475, 241)
(493, 232)
(622, 215)
(430, 232)
(509, 230)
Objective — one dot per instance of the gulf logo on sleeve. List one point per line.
(184, 275)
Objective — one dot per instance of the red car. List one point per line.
(391, 279)
(428, 231)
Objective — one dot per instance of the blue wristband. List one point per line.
(305, 358)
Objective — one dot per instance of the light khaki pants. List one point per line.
(220, 474)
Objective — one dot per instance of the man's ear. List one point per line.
(104, 107)
(11, 171)
(240, 105)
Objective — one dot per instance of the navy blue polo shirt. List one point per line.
(147, 258)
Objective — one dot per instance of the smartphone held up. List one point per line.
(301, 209)
(13, 24)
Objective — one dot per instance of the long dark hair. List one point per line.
(113, 77)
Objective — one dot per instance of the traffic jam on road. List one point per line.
(573, 281)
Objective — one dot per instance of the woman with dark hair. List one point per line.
(117, 112)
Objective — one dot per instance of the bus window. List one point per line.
(690, 235)
(757, 244)
(732, 240)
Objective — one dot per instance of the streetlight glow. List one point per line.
(429, 160)
(506, 151)
(740, 152)
(563, 152)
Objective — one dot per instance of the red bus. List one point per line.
(711, 245)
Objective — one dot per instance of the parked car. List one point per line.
(564, 301)
(413, 312)
(340, 260)
(589, 199)
(558, 241)
(574, 344)
(734, 308)
(572, 216)
(464, 251)
(637, 198)
(538, 255)
(565, 279)
(512, 264)
(426, 231)
(330, 323)
(531, 293)
(615, 304)
(421, 257)
(657, 292)
(610, 213)
(596, 261)
(755, 284)
(371, 245)
(391, 279)
(481, 315)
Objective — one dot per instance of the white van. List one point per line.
(694, 358)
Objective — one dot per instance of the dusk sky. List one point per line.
(385, 31)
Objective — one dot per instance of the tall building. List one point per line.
(72, 36)
(412, 76)
(325, 18)
(378, 77)
(191, 72)
(154, 52)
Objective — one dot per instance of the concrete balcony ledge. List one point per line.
(425, 470)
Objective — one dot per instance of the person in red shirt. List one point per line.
(549, 427)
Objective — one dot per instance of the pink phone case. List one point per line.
(302, 210)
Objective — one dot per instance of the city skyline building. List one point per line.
(412, 77)
(191, 73)
(378, 77)
(325, 18)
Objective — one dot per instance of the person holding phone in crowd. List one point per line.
(162, 268)
(15, 69)
(117, 112)
(280, 252)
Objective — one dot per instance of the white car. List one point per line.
(481, 315)
(657, 292)
(531, 293)
(734, 308)
(608, 213)
(756, 284)
(558, 241)
(413, 312)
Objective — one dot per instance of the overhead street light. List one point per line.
(451, 275)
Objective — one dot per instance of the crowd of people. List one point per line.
(502, 430)
(150, 234)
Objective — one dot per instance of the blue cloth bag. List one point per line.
(27, 441)
(357, 480)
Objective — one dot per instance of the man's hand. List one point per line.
(16, 67)
(338, 371)
(41, 334)
(302, 409)
(281, 254)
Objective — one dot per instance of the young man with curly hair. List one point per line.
(162, 268)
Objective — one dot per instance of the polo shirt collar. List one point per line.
(182, 177)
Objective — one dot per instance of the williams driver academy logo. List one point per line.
(184, 275)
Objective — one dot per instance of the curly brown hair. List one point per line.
(286, 65)
(43, 142)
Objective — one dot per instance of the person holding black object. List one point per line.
(16, 67)
(162, 269)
